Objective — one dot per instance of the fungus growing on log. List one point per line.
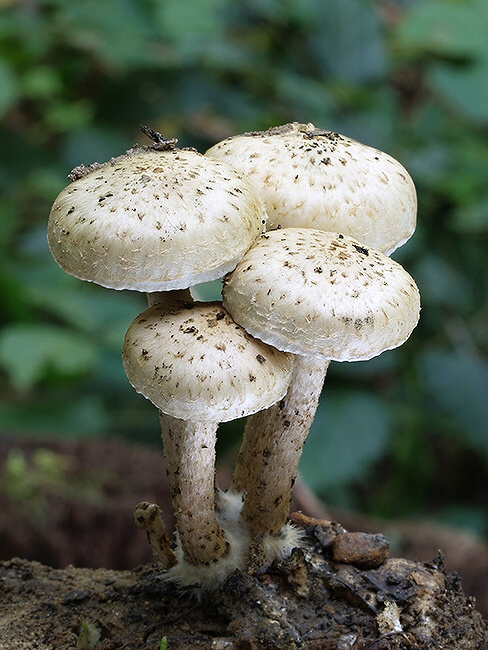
(199, 368)
(324, 297)
(159, 220)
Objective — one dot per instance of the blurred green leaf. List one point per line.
(120, 32)
(65, 415)
(465, 517)
(41, 82)
(307, 97)
(65, 116)
(471, 217)
(8, 88)
(8, 224)
(28, 352)
(457, 384)
(350, 432)
(101, 312)
(464, 88)
(84, 306)
(386, 363)
(347, 41)
(87, 145)
(441, 284)
(445, 28)
(187, 21)
(455, 33)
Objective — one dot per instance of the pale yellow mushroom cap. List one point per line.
(195, 363)
(154, 220)
(316, 293)
(311, 178)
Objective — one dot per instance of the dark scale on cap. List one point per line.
(361, 249)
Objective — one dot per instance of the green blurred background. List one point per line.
(405, 434)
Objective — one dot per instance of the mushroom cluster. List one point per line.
(310, 284)
(321, 300)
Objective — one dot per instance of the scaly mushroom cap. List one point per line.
(194, 363)
(316, 293)
(154, 220)
(310, 178)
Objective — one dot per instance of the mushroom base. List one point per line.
(274, 548)
(210, 576)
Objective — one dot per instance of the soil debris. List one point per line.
(308, 601)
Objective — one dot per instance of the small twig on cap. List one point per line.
(160, 142)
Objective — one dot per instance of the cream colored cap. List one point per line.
(154, 220)
(311, 178)
(316, 293)
(194, 363)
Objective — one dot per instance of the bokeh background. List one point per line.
(403, 435)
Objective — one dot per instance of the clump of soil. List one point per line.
(308, 601)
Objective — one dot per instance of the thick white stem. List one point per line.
(190, 457)
(267, 464)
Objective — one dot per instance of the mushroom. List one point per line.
(199, 368)
(312, 178)
(157, 219)
(322, 296)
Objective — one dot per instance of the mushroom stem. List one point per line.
(267, 464)
(190, 457)
(167, 297)
(148, 517)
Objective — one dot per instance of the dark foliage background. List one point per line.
(402, 435)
